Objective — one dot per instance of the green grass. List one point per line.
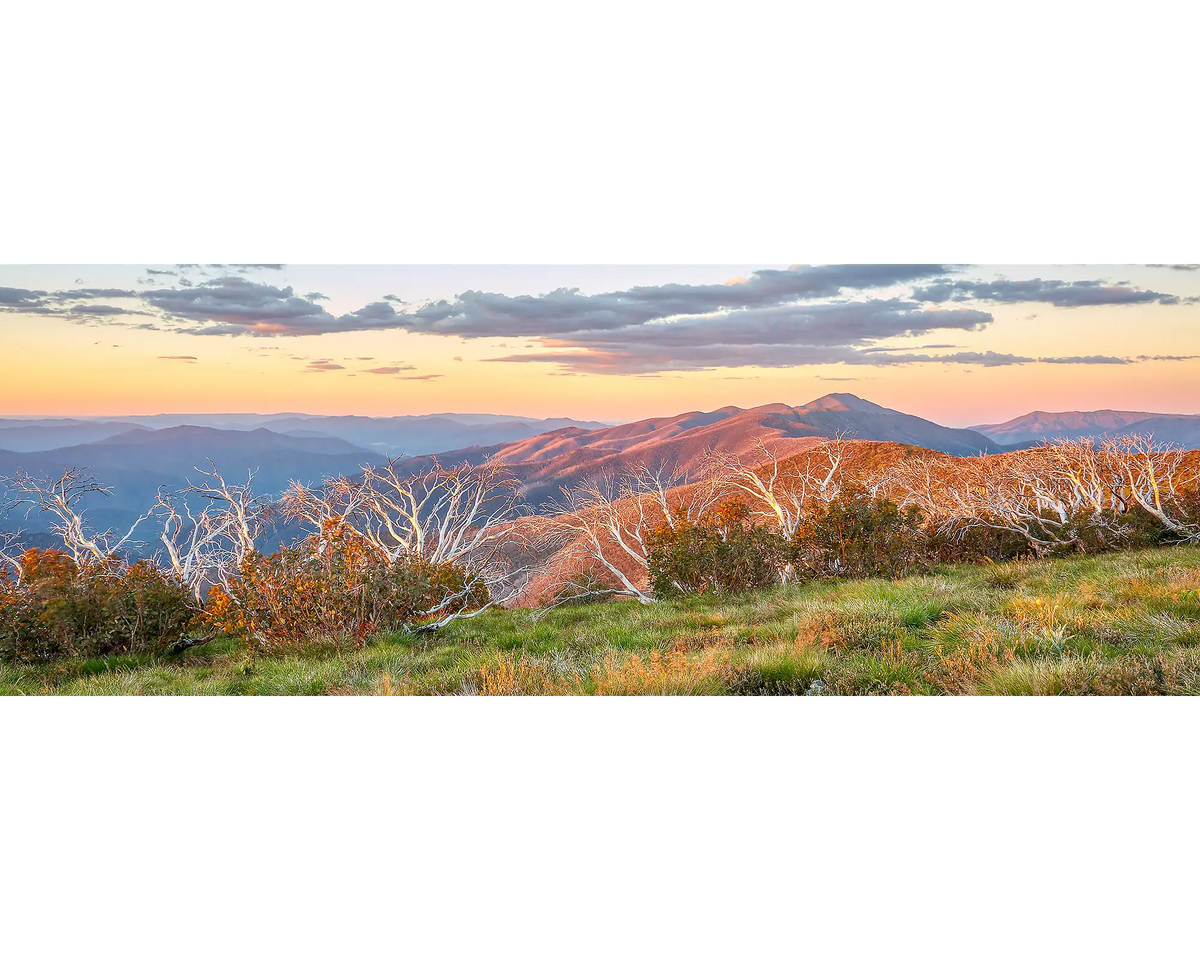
(1113, 624)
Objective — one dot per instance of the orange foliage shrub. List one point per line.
(334, 590)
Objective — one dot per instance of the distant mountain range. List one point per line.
(1169, 428)
(550, 460)
(397, 436)
(137, 455)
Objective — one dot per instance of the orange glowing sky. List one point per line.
(147, 362)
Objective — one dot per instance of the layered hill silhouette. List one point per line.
(138, 455)
(565, 456)
(397, 436)
(138, 462)
(1168, 428)
(24, 436)
(561, 563)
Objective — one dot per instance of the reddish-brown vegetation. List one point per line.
(390, 549)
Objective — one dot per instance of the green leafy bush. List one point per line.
(859, 535)
(975, 545)
(58, 608)
(724, 554)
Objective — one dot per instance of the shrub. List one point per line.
(1083, 532)
(975, 545)
(148, 610)
(859, 535)
(333, 590)
(725, 554)
(60, 609)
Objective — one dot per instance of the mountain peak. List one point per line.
(844, 401)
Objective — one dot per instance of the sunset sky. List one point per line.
(959, 345)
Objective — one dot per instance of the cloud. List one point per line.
(16, 299)
(84, 312)
(776, 336)
(423, 376)
(1176, 266)
(105, 310)
(1189, 357)
(162, 273)
(923, 346)
(189, 359)
(799, 316)
(1120, 360)
(566, 310)
(233, 305)
(95, 293)
(323, 366)
(234, 264)
(841, 323)
(782, 355)
(988, 358)
(1060, 293)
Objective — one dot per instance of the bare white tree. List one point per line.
(599, 530)
(209, 546)
(597, 524)
(11, 548)
(1020, 493)
(680, 497)
(783, 490)
(63, 499)
(239, 514)
(443, 515)
(338, 504)
(1047, 494)
(918, 481)
(1154, 478)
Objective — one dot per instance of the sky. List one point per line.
(957, 344)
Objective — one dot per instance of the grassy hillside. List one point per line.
(1113, 624)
